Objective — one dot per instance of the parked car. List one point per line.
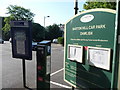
(55, 41)
(1, 40)
(34, 46)
(10, 40)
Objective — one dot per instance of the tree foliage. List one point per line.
(20, 13)
(52, 32)
(38, 32)
(61, 40)
(93, 5)
(15, 13)
(6, 28)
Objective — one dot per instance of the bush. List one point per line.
(61, 40)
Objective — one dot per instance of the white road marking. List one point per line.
(56, 72)
(58, 84)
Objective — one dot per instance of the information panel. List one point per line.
(99, 57)
(94, 64)
(75, 53)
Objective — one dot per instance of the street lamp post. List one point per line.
(44, 19)
(44, 24)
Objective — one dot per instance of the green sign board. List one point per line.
(91, 50)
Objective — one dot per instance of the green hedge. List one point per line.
(61, 40)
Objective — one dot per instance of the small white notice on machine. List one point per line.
(119, 39)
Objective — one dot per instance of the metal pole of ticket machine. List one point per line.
(76, 11)
(24, 75)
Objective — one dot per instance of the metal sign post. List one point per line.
(24, 75)
(76, 6)
(76, 11)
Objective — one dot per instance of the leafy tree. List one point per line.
(93, 5)
(38, 32)
(6, 28)
(16, 13)
(52, 32)
(20, 13)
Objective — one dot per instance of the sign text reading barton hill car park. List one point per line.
(89, 28)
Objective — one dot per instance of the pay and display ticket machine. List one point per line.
(43, 65)
(22, 49)
(21, 39)
(21, 43)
